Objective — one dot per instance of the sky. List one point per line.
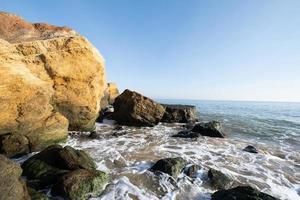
(187, 49)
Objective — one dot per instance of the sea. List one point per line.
(272, 127)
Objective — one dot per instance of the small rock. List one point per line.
(35, 195)
(250, 149)
(81, 184)
(93, 135)
(220, 180)
(241, 193)
(133, 109)
(192, 170)
(171, 166)
(179, 113)
(187, 134)
(12, 145)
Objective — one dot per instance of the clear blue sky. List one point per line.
(187, 49)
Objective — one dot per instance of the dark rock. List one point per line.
(179, 113)
(12, 145)
(12, 187)
(93, 135)
(211, 129)
(55, 161)
(220, 180)
(133, 109)
(187, 134)
(105, 113)
(250, 149)
(76, 159)
(241, 193)
(192, 170)
(81, 184)
(171, 166)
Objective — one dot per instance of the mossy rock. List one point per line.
(219, 180)
(171, 166)
(12, 145)
(81, 184)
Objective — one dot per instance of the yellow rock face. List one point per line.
(48, 84)
(110, 93)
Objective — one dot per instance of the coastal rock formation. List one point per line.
(179, 113)
(220, 180)
(210, 129)
(192, 171)
(133, 109)
(241, 193)
(171, 166)
(12, 187)
(51, 78)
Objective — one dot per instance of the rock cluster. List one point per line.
(52, 79)
(179, 113)
(72, 173)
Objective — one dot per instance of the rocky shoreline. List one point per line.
(54, 82)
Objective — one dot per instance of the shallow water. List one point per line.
(128, 154)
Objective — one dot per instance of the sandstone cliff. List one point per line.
(50, 77)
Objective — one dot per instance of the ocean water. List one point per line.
(274, 128)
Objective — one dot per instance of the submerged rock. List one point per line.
(179, 113)
(12, 187)
(133, 109)
(250, 149)
(192, 170)
(220, 180)
(81, 184)
(171, 166)
(241, 193)
(12, 145)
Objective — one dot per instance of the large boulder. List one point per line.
(241, 193)
(12, 187)
(179, 113)
(81, 184)
(171, 166)
(133, 109)
(51, 78)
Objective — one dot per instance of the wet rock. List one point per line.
(76, 159)
(179, 113)
(12, 187)
(171, 166)
(93, 135)
(133, 109)
(192, 170)
(220, 180)
(81, 184)
(211, 129)
(241, 193)
(187, 134)
(105, 113)
(54, 162)
(12, 145)
(250, 149)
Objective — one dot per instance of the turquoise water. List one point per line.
(272, 123)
